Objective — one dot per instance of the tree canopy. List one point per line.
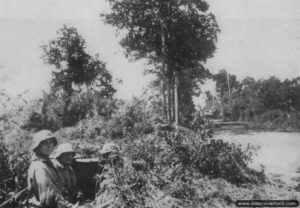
(174, 35)
(74, 66)
(78, 81)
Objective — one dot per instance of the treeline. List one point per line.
(270, 102)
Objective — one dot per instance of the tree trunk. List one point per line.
(163, 97)
(173, 98)
(164, 81)
(170, 94)
(169, 99)
(176, 100)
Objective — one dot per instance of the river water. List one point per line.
(279, 152)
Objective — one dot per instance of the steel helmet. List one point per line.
(110, 148)
(63, 148)
(42, 136)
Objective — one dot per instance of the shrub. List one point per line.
(57, 111)
(279, 120)
(171, 165)
(14, 163)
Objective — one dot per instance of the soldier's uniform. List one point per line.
(43, 179)
(68, 182)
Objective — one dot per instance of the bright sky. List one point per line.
(258, 38)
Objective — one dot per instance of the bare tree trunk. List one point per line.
(229, 93)
(173, 96)
(176, 100)
(173, 99)
(169, 98)
(163, 81)
(163, 97)
(166, 72)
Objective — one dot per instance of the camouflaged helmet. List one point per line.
(110, 148)
(63, 148)
(42, 136)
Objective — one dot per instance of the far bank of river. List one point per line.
(279, 152)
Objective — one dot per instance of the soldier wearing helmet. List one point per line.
(43, 178)
(112, 159)
(110, 153)
(63, 158)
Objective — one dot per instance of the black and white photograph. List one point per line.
(149, 103)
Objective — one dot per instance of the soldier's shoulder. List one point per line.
(37, 164)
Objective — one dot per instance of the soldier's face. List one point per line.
(46, 147)
(67, 157)
(106, 155)
(111, 157)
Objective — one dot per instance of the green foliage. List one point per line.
(270, 103)
(173, 166)
(163, 150)
(201, 125)
(52, 115)
(278, 120)
(74, 66)
(14, 112)
(276, 94)
(124, 120)
(188, 25)
(170, 166)
(176, 34)
(221, 79)
(14, 162)
(78, 82)
(228, 161)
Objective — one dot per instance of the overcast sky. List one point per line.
(258, 38)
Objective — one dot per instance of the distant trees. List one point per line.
(250, 98)
(227, 88)
(274, 95)
(175, 36)
(224, 80)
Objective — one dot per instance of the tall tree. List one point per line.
(75, 70)
(74, 66)
(175, 35)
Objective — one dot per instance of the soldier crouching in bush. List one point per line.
(43, 178)
(111, 159)
(111, 156)
(125, 183)
(116, 168)
(110, 153)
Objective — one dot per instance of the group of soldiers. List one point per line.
(50, 176)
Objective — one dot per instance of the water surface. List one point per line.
(279, 151)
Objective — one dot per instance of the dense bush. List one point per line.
(172, 163)
(14, 163)
(53, 113)
(217, 159)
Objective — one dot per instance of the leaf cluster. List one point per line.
(74, 66)
(191, 30)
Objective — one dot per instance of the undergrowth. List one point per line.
(168, 168)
